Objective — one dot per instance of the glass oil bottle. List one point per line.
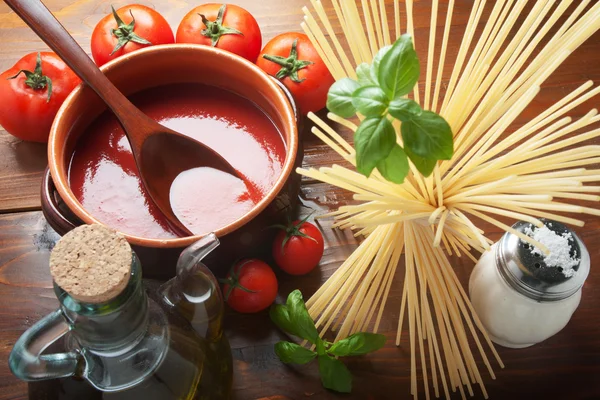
(139, 344)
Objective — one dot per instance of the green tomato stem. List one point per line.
(36, 79)
(290, 65)
(234, 281)
(215, 29)
(124, 32)
(294, 230)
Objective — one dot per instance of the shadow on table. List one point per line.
(63, 389)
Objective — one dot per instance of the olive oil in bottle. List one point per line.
(118, 341)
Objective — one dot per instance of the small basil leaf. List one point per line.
(303, 324)
(399, 69)
(429, 136)
(334, 374)
(339, 97)
(370, 101)
(404, 109)
(395, 167)
(358, 344)
(373, 140)
(363, 73)
(377, 61)
(280, 316)
(424, 165)
(291, 353)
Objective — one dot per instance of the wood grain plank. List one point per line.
(564, 367)
(21, 167)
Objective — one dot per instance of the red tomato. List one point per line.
(128, 29)
(298, 248)
(30, 103)
(292, 58)
(251, 286)
(225, 26)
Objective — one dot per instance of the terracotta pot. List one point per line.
(163, 65)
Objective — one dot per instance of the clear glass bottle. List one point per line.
(133, 346)
(518, 298)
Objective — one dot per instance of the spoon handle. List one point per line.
(49, 29)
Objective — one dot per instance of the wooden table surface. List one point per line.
(566, 366)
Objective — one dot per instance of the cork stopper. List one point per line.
(92, 263)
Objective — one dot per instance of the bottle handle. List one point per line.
(26, 360)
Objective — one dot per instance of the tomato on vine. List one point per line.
(291, 58)
(298, 247)
(251, 286)
(32, 91)
(128, 29)
(226, 26)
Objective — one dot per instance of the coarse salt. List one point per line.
(560, 249)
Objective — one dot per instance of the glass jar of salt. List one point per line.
(523, 296)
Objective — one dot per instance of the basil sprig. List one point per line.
(379, 94)
(294, 319)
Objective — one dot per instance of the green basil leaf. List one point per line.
(395, 167)
(399, 69)
(363, 73)
(377, 62)
(280, 316)
(291, 353)
(424, 165)
(334, 374)
(303, 324)
(373, 140)
(428, 136)
(358, 344)
(339, 97)
(404, 109)
(370, 101)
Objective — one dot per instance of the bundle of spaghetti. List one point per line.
(497, 175)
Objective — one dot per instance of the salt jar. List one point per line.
(522, 296)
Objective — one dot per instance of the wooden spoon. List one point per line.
(160, 153)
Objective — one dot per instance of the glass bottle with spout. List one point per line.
(139, 341)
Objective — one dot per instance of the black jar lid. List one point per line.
(525, 270)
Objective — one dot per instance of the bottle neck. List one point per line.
(113, 326)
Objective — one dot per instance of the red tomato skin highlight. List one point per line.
(257, 276)
(300, 255)
(311, 94)
(25, 112)
(247, 46)
(149, 24)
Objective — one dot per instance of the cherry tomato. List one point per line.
(292, 58)
(226, 26)
(251, 286)
(128, 29)
(298, 248)
(32, 91)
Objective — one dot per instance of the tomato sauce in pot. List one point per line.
(104, 178)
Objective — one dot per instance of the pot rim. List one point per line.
(289, 119)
